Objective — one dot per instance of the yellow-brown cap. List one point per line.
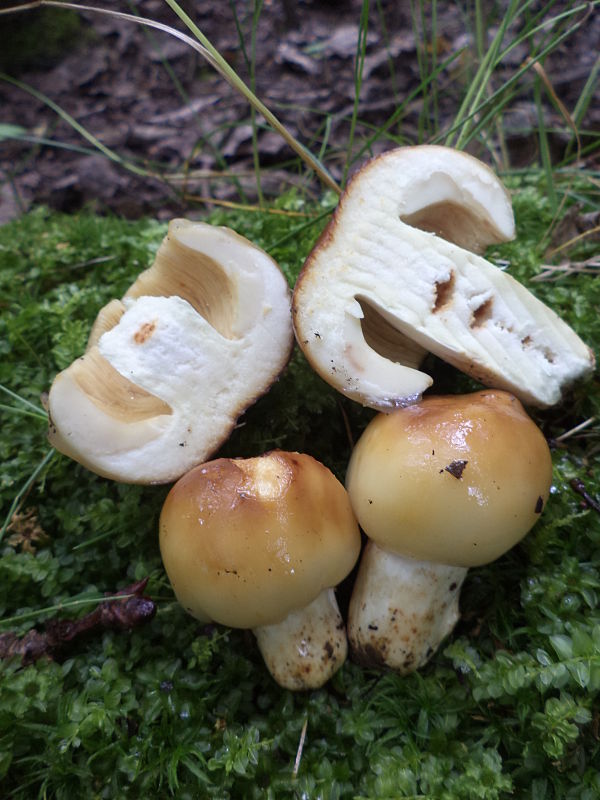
(246, 541)
(456, 480)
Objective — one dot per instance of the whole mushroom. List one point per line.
(449, 483)
(261, 543)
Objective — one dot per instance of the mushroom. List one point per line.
(261, 543)
(168, 369)
(396, 274)
(449, 483)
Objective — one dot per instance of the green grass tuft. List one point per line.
(35, 41)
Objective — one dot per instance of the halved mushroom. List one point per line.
(446, 484)
(261, 543)
(168, 369)
(396, 274)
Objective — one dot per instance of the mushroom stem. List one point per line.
(308, 647)
(401, 609)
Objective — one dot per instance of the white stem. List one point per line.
(401, 609)
(308, 646)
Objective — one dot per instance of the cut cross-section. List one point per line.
(168, 369)
(405, 241)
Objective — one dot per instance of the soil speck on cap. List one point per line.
(456, 468)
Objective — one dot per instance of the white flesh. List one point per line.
(375, 261)
(401, 609)
(308, 647)
(167, 373)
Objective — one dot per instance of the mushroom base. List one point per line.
(308, 647)
(401, 609)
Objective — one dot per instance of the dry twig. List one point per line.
(128, 609)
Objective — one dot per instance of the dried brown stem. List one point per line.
(129, 610)
(578, 486)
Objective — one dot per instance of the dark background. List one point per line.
(149, 97)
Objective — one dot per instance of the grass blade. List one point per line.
(495, 102)
(58, 607)
(587, 94)
(477, 87)
(66, 117)
(24, 489)
(42, 140)
(359, 63)
(34, 410)
(22, 411)
(255, 154)
(217, 60)
(420, 89)
(545, 156)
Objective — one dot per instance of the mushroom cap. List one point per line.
(397, 273)
(246, 541)
(168, 369)
(456, 480)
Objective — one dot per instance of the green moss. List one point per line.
(36, 39)
(508, 708)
